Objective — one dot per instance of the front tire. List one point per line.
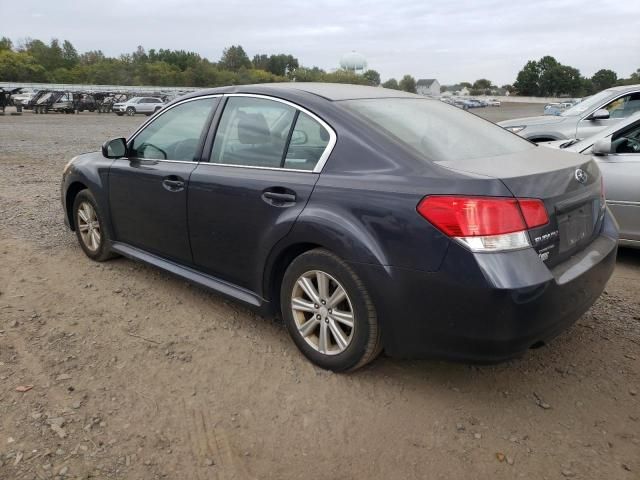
(131, 111)
(328, 312)
(90, 227)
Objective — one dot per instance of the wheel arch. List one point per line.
(544, 138)
(277, 265)
(72, 192)
(319, 229)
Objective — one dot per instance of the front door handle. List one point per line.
(279, 196)
(173, 183)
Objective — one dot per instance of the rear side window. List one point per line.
(435, 130)
(253, 132)
(308, 142)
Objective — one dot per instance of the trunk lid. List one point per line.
(570, 186)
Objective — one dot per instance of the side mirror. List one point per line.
(602, 147)
(114, 148)
(601, 114)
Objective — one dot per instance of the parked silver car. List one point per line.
(146, 105)
(584, 119)
(617, 151)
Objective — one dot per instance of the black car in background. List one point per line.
(367, 218)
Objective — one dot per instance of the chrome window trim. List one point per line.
(325, 154)
(317, 169)
(623, 203)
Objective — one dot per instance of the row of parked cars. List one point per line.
(556, 108)
(42, 101)
(467, 103)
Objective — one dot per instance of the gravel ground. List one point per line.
(131, 373)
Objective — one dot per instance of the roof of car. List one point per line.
(625, 87)
(329, 91)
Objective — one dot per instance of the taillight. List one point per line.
(485, 223)
(533, 211)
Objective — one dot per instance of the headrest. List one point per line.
(253, 129)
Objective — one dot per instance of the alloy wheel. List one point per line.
(322, 312)
(89, 226)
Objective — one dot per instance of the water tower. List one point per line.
(354, 62)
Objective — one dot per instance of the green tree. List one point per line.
(70, 55)
(482, 84)
(234, 58)
(140, 55)
(408, 84)
(91, 57)
(20, 67)
(604, 79)
(313, 74)
(6, 44)
(282, 64)
(261, 61)
(372, 77)
(392, 83)
(527, 81)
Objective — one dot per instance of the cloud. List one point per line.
(451, 41)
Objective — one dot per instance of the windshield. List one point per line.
(437, 131)
(587, 104)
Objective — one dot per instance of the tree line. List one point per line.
(60, 62)
(549, 78)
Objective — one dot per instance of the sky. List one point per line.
(450, 41)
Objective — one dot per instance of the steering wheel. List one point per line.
(145, 145)
(185, 149)
(634, 145)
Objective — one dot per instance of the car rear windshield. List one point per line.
(437, 131)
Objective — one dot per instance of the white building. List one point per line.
(428, 86)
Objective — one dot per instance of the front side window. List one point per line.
(253, 132)
(624, 106)
(627, 140)
(175, 134)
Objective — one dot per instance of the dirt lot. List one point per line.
(137, 375)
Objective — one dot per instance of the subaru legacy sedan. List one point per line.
(367, 219)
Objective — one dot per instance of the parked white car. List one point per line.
(145, 105)
(23, 97)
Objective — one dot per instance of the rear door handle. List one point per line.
(173, 183)
(279, 197)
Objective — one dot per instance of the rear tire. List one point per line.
(90, 227)
(329, 313)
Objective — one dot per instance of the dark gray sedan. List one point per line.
(617, 151)
(366, 218)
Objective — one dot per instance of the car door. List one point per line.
(148, 189)
(146, 105)
(621, 173)
(619, 109)
(263, 165)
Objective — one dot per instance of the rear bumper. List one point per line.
(487, 307)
